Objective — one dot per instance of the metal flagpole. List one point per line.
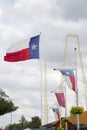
(41, 98)
(76, 87)
(76, 90)
(41, 92)
(60, 117)
(45, 97)
(65, 106)
(45, 100)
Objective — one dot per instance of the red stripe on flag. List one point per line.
(72, 79)
(58, 115)
(18, 55)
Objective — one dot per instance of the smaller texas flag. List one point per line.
(61, 99)
(56, 111)
(70, 78)
(23, 51)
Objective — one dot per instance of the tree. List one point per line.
(64, 120)
(23, 122)
(35, 122)
(6, 104)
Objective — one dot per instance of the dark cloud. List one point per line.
(73, 10)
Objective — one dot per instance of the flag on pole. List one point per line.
(56, 111)
(23, 51)
(70, 78)
(60, 99)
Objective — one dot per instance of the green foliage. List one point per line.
(60, 128)
(2, 94)
(14, 127)
(34, 123)
(76, 110)
(64, 120)
(6, 105)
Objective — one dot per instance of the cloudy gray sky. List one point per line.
(21, 19)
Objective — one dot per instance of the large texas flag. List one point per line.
(23, 51)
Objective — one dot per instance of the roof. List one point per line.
(55, 124)
(49, 125)
(72, 121)
(82, 119)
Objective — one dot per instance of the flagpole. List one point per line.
(65, 102)
(44, 108)
(41, 91)
(76, 89)
(60, 118)
(65, 106)
(45, 95)
(45, 98)
(41, 98)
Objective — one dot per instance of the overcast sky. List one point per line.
(22, 19)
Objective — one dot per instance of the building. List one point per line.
(72, 123)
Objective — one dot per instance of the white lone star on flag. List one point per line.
(33, 47)
(67, 73)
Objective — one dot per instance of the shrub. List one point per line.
(76, 110)
(60, 128)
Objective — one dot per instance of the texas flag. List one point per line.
(57, 113)
(61, 99)
(70, 78)
(23, 51)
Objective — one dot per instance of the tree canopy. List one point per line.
(35, 122)
(23, 123)
(6, 104)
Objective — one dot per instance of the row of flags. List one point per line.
(30, 50)
(61, 102)
(71, 82)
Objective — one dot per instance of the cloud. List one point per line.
(72, 10)
(22, 19)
